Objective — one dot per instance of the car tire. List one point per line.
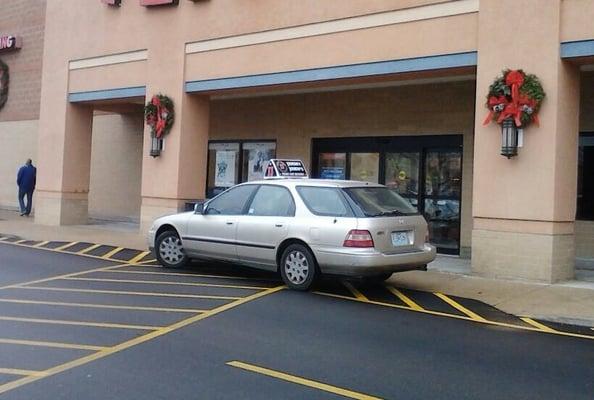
(298, 267)
(169, 250)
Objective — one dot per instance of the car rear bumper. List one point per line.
(361, 262)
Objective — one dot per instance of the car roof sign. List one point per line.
(285, 169)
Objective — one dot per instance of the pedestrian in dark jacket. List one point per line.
(26, 179)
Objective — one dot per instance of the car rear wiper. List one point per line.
(386, 213)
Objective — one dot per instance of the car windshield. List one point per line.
(379, 201)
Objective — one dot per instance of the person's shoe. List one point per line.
(22, 214)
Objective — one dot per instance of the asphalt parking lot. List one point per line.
(88, 326)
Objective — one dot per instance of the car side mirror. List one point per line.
(199, 208)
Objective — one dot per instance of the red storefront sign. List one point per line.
(9, 42)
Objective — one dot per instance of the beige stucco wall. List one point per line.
(116, 167)
(18, 141)
(293, 120)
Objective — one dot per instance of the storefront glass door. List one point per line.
(427, 171)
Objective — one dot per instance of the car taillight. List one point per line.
(358, 238)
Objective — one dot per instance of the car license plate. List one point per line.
(401, 238)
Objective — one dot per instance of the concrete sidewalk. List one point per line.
(567, 302)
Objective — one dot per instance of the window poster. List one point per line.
(257, 155)
(225, 168)
(365, 167)
(332, 165)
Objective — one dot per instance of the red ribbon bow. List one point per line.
(515, 107)
(161, 114)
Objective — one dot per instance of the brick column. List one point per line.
(524, 208)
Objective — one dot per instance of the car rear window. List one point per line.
(325, 201)
(379, 201)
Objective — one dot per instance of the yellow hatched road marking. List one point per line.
(41, 243)
(302, 381)
(52, 278)
(165, 283)
(139, 257)
(81, 323)
(2, 238)
(460, 307)
(90, 248)
(25, 372)
(112, 253)
(64, 247)
(123, 292)
(108, 306)
(404, 298)
(52, 344)
(21, 241)
(136, 341)
(354, 290)
(189, 274)
(454, 316)
(538, 325)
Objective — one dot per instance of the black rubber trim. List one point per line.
(259, 246)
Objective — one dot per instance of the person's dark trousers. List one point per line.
(25, 209)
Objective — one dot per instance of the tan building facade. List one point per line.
(390, 91)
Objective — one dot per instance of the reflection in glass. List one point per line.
(255, 159)
(365, 167)
(443, 173)
(223, 167)
(402, 173)
(332, 165)
(443, 217)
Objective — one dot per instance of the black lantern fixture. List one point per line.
(509, 138)
(156, 146)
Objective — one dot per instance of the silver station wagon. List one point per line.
(301, 228)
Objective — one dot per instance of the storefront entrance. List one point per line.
(426, 170)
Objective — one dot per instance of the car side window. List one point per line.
(272, 201)
(231, 202)
(325, 201)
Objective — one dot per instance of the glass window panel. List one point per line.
(365, 167)
(443, 176)
(443, 218)
(223, 167)
(272, 201)
(324, 201)
(402, 173)
(379, 201)
(255, 158)
(332, 165)
(585, 192)
(232, 202)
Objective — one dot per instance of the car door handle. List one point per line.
(229, 222)
(278, 225)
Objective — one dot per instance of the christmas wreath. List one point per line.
(3, 84)
(159, 115)
(515, 95)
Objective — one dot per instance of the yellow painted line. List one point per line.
(52, 344)
(90, 248)
(139, 257)
(538, 325)
(124, 292)
(190, 274)
(165, 283)
(52, 278)
(41, 243)
(460, 307)
(454, 316)
(21, 241)
(108, 306)
(112, 253)
(81, 323)
(404, 298)
(25, 372)
(354, 290)
(136, 341)
(64, 247)
(3, 238)
(302, 381)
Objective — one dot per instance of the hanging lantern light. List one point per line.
(156, 146)
(509, 138)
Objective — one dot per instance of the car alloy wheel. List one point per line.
(298, 268)
(170, 251)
